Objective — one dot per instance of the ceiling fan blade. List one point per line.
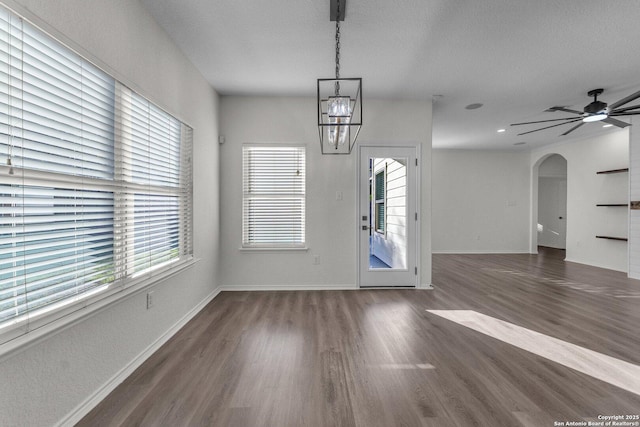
(615, 122)
(567, 110)
(625, 100)
(626, 113)
(572, 129)
(541, 121)
(547, 127)
(622, 110)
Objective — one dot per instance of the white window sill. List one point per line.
(273, 249)
(85, 308)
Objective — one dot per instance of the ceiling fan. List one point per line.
(595, 111)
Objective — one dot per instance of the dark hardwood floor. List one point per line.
(379, 358)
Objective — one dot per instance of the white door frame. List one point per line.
(533, 198)
(552, 211)
(417, 194)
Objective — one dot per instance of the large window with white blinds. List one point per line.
(273, 211)
(95, 182)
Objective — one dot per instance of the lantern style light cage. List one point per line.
(339, 114)
(339, 100)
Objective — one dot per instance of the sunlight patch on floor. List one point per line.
(597, 365)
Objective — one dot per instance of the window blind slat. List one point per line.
(101, 188)
(274, 196)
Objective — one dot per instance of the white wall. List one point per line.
(634, 195)
(480, 201)
(331, 223)
(553, 167)
(585, 189)
(43, 384)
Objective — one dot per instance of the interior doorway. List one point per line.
(551, 224)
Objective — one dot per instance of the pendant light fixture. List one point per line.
(339, 100)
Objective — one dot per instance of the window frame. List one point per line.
(34, 325)
(246, 244)
(380, 202)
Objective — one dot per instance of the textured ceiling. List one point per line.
(517, 57)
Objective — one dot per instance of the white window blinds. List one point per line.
(95, 181)
(154, 207)
(274, 196)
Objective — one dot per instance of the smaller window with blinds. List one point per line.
(273, 208)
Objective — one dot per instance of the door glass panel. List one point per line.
(388, 213)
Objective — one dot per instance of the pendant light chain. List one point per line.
(339, 99)
(338, 50)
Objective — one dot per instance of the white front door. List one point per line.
(387, 216)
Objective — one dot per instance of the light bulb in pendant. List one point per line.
(339, 111)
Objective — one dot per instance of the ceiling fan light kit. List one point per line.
(339, 100)
(595, 111)
(595, 118)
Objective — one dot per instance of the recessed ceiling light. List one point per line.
(473, 106)
(501, 130)
(607, 126)
(520, 143)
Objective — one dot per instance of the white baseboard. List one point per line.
(606, 267)
(92, 401)
(248, 288)
(235, 288)
(478, 252)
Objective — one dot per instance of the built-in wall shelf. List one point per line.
(612, 205)
(622, 239)
(614, 171)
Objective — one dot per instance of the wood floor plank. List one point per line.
(379, 358)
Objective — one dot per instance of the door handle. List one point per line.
(560, 217)
(365, 227)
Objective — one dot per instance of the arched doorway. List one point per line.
(549, 207)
